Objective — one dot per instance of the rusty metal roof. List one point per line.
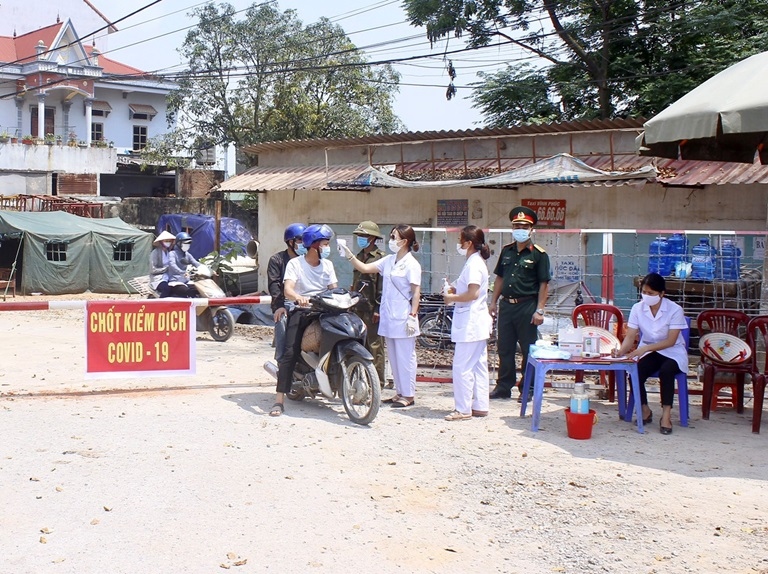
(412, 137)
(676, 173)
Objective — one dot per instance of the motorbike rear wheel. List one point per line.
(360, 391)
(435, 331)
(222, 324)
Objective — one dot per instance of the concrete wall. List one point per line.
(61, 158)
(736, 207)
(25, 184)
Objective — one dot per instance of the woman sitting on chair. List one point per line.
(661, 350)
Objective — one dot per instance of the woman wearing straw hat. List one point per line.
(158, 263)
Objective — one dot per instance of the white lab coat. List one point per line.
(655, 329)
(471, 319)
(396, 293)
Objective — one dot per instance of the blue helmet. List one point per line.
(183, 237)
(315, 233)
(293, 231)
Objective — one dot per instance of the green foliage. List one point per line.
(598, 58)
(220, 260)
(264, 76)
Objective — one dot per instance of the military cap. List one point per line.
(368, 228)
(523, 215)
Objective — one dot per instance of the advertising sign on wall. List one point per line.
(551, 212)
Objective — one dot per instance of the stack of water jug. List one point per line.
(668, 257)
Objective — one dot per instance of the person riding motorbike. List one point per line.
(305, 276)
(275, 272)
(158, 263)
(178, 262)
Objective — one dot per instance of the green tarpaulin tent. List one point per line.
(64, 253)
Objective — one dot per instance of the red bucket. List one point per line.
(580, 426)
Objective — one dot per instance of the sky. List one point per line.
(149, 41)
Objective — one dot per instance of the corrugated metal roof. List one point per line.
(272, 178)
(411, 137)
(684, 173)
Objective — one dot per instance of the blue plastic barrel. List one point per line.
(729, 261)
(678, 249)
(703, 260)
(658, 256)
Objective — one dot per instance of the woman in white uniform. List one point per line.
(471, 327)
(662, 346)
(398, 314)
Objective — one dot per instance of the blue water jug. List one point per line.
(703, 260)
(658, 256)
(729, 261)
(678, 249)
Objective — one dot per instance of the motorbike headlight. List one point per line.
(340, 300)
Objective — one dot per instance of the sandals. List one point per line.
(392, 399)
(277, 410)
(402, 402)
(457, 416)
(479, 413)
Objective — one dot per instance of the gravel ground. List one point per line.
(189, 474)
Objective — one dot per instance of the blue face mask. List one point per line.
(301, 250)
(325, 251)
(521, 235)
(362, 242)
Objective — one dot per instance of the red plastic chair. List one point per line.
(757, 338)
(603, 316)
(733, 323)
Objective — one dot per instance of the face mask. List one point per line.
(185, 247)
(393, 245)
(521, 235)
(301, 250)
(325, 251)
(650, 300)
(459, 250)
(362, 242)
(166, 244)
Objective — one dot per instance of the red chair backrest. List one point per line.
(722, 321)
(757, 339)
(599, 315)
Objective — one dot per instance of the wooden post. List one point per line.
(217, 227)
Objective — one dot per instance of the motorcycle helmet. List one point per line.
(293, 231)
(315, 233)
(183, 237)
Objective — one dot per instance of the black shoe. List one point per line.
(649, 420)
(520, 397)
(499, 393)
(665, 430)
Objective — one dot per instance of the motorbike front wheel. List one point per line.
(360, 391)
(222, 324)
(435, 331)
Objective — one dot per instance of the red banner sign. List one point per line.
(551, 212)
(143, 338)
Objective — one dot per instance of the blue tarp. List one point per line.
(202, 229)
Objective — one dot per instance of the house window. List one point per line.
(139, 138)
(97, 132)
(123, 251)
(56, 251)
(141, 112)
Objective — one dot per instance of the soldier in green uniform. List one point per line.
(519, 296)
(367, 233)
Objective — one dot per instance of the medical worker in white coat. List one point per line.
(471, 328)
(398, 313)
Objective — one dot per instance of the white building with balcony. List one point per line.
(60, 91)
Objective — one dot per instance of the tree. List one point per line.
(599, 58)
(268, 77)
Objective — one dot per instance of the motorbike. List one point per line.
(218, 321)
(435, 321)
(333, 359)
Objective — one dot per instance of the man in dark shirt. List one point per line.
(522, 277)
(275, 273)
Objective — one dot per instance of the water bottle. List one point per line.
(678, 250)
(580, 399)
(658, 260)
(446, 286)
(729, 261)
(702, 261)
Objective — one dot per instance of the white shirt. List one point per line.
(396, 293)
(310, 280)
(471, 319)
(655, 329)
